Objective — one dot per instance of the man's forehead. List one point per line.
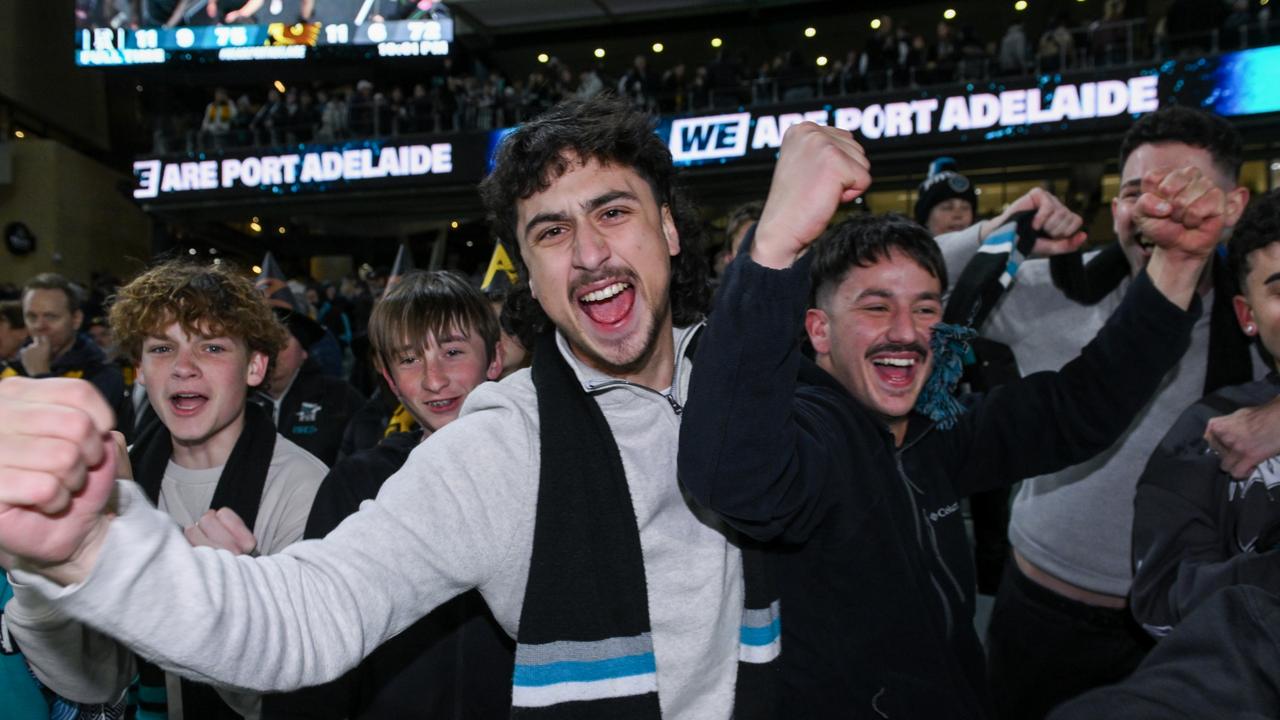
(570, 188)
(1165, 156)
(45, 299)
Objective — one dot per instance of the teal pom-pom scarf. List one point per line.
(949, 345)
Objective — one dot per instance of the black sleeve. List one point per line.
(340, 495)
(1048, 421)
(1182, 552)
(747, 450)
(1223, 663)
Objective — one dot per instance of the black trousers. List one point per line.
(1044, 649)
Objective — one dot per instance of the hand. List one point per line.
(57, 475)
(1053, 219)
(1245, 438)
(818, 169)
(1182, 212)
(37, 356)
(222, 528)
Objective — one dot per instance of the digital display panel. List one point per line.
(120, 32)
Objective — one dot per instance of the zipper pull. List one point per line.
(675, 406)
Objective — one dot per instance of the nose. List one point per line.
(184, 364)
(433, 377)
(590, 248)
(902, 327)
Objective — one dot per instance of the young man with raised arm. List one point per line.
(832, 460)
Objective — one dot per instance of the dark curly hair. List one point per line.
(1259, 226)
(611, 132)
(865, 240)
(1189, 126)
(212, 300)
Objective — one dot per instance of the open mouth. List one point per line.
(896, 370)
(610, 304)
(187, 403)
(443, 406)
(1144, 244)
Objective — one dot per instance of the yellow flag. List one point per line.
(499, 262)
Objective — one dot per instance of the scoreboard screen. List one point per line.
(160, 31)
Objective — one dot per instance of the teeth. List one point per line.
(896, 362)
(439, 403)
(605, 293)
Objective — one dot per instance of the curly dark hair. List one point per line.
(610, 131)
(1189, 126)
(865, 240)
(1259, 226)
(203, 299)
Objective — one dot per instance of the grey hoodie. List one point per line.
(459, 514)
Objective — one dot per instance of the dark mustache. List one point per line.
(916, 348)
(624, 274)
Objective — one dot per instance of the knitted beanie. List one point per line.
(943, 183)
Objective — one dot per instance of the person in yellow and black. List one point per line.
(55, 348)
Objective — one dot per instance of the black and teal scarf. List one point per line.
(585, 645)
(239, 488)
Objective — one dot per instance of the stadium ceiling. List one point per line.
(501, 17)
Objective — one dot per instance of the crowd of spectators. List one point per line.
(895, 56)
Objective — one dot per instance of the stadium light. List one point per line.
(658, 47)
(543, 58)
(716, 42)
(599, 52)
(1020, 5)
(949, 13)
(19, 134)
(256, 270)
(875, 23)
(454, 224)
(279, 86)
(810, 32)
(822, 61)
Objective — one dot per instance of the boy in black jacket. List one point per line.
(434, 340)
(858, 490)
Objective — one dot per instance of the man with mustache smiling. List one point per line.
(856, 480)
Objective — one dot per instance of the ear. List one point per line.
(1237, 201)
(138, 377)
(669, 232)
(257, 369)
(391, 382)
(1244, 315)
(494, 371)
(818, 325)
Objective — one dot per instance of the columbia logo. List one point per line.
(940, 513)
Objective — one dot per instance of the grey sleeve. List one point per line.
(958, 248)
(443, 524)
(70, 658)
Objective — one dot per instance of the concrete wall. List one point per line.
(38, 75)
(74, 205)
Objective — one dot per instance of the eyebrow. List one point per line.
(590, 205)
(887, 294)
(1274, 277)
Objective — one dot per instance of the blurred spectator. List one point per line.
(638, 84)
(360, 109)
(1110, 36)
(270, 116)
(1013, 51)
(973, 54)
(219, 116)
(1056, 46)
(589, 84)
